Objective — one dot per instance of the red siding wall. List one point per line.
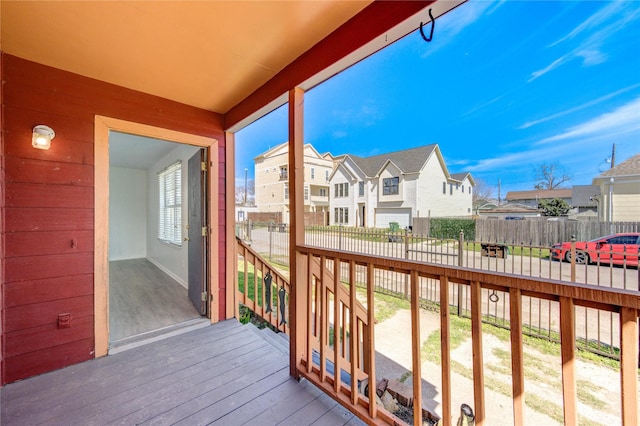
(47, 207)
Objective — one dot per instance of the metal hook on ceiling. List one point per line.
(433, 24)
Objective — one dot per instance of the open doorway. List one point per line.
(157, 247)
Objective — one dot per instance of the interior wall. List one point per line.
(127, 213)
(48, 207)
(170, 258)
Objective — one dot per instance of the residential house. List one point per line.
(619, 198)
(579, 197)
(533, 197)
(397, 187)
(272, 180)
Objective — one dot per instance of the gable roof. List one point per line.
(538, 194)
(408, 160)
(283, 148)
(629, 167)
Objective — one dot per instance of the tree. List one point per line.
(555, 207)
(550, 176)
(249, 197)
(482, 191)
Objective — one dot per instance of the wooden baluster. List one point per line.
(353, 333)
(324, 321)
(415, 348)
(336, 325)
(517, 355)
(568, 351)
(629, 365)
(476, 342)
(310, 313)
(370, 349)
(445, 353)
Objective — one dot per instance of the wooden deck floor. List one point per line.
(226, 374)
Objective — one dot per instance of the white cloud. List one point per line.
(578, 108)
(622, 120)
(605, 23)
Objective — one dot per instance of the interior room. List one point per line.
(148, 272)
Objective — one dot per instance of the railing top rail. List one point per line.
(583, 294)
(248, 248)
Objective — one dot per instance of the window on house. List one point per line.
(323, 192)
(326, 175)
(390, 186)
(341, 190)
(306, 193)
(444, 187)
(170, 192)
(450, 189)
(457, 186)
(469, 190)
(286, 191)
(284, 174)
(463, 189)
(313, 173)
(341, 215)
(361, 188)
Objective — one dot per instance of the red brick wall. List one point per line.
(47, 202)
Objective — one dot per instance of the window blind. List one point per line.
(170, 188)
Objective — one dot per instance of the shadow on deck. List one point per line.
(225, 374)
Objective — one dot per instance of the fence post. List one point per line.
(406, 256)
(573, 258)
(460, 263)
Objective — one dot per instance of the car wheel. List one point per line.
(581, 257)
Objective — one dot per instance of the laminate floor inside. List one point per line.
(143, 298)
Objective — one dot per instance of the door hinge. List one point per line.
(203, 166)
(203, 296)
(204, 231)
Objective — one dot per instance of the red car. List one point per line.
(619, 249)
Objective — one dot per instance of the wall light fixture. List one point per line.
(42, 136)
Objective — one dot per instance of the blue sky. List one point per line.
(503, 87)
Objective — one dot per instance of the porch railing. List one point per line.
(261, 288)
(337, 353)
(322, 313)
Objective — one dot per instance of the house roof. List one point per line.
(237, 58)
(538, 194)
(408, 160)
(583, 195)
(629, 167)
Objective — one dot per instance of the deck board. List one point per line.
(224, 374)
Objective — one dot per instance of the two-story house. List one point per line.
(396, 187)
(272, 180)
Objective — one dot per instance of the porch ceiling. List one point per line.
(209, 54)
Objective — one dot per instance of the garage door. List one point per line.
(401, 216)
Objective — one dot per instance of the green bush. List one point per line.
(442, 227)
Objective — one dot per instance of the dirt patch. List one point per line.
(598, 386)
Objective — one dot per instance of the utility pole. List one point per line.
(613, 155)
(498, 191)
(245, 185)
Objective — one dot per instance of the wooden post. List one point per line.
(517, 355)
(445, 353)
(629, 365)
(232, 254)
(416, 346)
(476, 343)
(373, 410)
(568, 352)
(298, 296)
